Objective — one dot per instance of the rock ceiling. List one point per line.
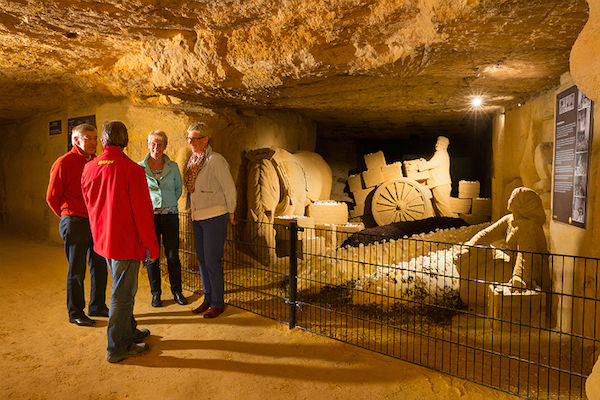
(368, 64)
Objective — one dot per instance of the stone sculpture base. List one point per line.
(306, 239)
(477, 270)
(511, 309)
(333, 235)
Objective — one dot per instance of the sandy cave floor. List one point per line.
(239, 355)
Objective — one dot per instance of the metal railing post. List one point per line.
(293, 272)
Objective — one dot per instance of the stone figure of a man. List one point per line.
(439, 180)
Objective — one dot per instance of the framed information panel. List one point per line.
(573, 138)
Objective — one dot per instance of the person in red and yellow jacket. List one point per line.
(66, 200)
(122, 222)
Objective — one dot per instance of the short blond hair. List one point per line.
(199, 127)
(159, 134)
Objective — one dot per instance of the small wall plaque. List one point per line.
(55, 127)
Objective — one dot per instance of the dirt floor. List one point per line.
(238, 355)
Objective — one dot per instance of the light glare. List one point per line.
(476, 101)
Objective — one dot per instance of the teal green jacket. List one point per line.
(166, 192)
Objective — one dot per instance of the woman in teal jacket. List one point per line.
(164, 184)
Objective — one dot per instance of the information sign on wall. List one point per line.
(73, 122)
(572, 143)
(55, 127)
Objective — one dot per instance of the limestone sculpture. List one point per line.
(521, 234)
(439, 180)
(542, 158)
(282, 184)
(592, 383)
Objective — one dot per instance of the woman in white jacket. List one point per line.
(212, 196)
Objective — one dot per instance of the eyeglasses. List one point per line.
(193, 139)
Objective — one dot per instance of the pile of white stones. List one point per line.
(395, 270)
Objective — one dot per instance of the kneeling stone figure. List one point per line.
(522, 231)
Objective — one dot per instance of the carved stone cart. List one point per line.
(388, 193)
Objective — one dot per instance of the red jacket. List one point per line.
(121, 214)
(64, 188)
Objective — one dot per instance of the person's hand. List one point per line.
(232, 220)
(459, 251)
(516, 284)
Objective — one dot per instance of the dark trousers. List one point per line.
(76, 233)
(209, 240)
(167, 227)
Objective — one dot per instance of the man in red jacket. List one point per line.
(122, 222)
(66, 200)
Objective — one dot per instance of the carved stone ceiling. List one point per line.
(372, 64)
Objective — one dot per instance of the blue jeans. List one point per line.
(76, 233)
(121, 323)
(167, 226)
(209, 240)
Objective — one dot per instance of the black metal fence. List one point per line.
(449, 307)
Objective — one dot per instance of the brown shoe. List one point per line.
(201, 308)
(214, 312)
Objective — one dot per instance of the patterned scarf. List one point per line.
(194, 165)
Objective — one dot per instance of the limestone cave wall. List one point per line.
(584, 67)
(28, 150)
(517, 134)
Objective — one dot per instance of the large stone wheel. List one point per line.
(399, 200)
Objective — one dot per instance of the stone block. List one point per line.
(328, 233)
(460, 206)
(360, 197)
(410, 166)
(306, 237)
(302, 221)
(357, 211)
(481, 206)
(416, 175)
(512, 308)
(281, 225)
(306, 247)
(328, 212)
(375, 160)
(479, 268)
(392, 171)
(344, 231)
(372, 177)
(468, 189)
(355, 183)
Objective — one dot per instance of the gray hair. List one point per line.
(79, 129)
(199, 127)
(159, 134)
(114, 133)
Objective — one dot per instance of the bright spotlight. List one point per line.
(477, 101)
